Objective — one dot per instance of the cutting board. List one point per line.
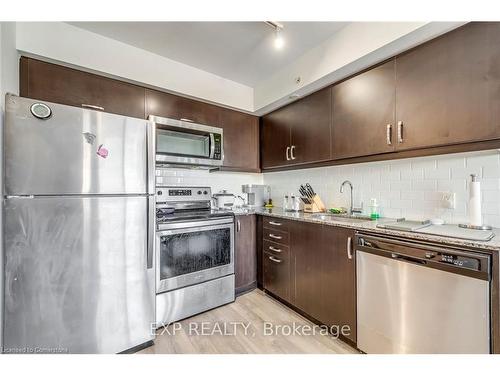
(455, 231)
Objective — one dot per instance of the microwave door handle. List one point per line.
(212, 145)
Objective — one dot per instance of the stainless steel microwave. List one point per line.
(185, 143)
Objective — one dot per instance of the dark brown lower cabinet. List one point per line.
(338, 279)
(316, 274)
(245, 253)
(276, 274)
(306, 263)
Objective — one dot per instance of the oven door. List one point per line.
(194, 252)
(182, 142)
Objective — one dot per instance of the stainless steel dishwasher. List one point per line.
(413, 297)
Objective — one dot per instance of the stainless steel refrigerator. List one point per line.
(79, 229)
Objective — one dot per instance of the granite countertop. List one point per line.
(371, 226)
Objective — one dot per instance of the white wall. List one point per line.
(65, 43)
(405, 188)
(355, 47)
(218, 181)
(8, 83)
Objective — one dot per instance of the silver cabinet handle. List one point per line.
(275, 236)
(93, 107)
(291, 152)
(186, 119)
(389, 134)
(274, 249)
(349, 247)
(275, 260)
(400, 131)
(238, 226)
(287, 151)
(275, 223)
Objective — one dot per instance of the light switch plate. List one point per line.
(448, 199)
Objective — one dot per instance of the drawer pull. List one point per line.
(275, 236)
(275, 223)
(275, 249)
(275, 259)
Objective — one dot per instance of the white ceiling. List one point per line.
(239, 51)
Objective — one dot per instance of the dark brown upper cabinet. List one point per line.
(364, 113)
(176, 107)
(311, 120)
(298, 133)
(448, 89)
(275, 139)
(241, 140)
(60, 84)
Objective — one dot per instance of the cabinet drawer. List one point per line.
(279, 224)
(274, 248)
(276, 236)
(277, 274)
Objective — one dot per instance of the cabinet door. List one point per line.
(172, 106)
(305, 240)
(241, 140)
(338, 279)
(245, 253)
(60, 84)
(363, 113)
(275, 138)
(448, 90)
(277, 274)
(310, 120)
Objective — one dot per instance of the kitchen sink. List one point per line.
(339, 217)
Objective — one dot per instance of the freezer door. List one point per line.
(76, 275)
(74, 151)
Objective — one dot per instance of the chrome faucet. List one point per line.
(352, 210)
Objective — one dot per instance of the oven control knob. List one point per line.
(199, 192)
(159, 192)
(205, 192)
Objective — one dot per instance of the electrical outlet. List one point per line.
(448, 199)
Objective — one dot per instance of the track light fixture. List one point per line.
(279, 42)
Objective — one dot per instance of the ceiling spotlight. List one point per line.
(279, 42)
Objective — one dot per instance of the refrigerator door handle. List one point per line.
(151, 218)
(151, 157)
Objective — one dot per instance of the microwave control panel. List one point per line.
(217, 146)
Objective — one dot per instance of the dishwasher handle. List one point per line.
(408, 259)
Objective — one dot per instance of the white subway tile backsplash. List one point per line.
(410, 188)
(217, 180)
(417, 184)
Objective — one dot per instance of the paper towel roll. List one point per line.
(475, 202)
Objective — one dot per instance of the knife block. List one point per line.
(316, 205)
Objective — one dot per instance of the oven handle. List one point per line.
(196, 226)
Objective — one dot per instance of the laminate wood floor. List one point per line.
(245, 326)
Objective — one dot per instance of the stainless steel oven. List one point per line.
(193, 252)
(182, 142)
